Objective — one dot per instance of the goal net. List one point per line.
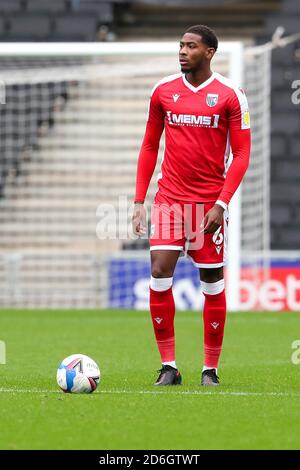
(72, 121)
(255, 201)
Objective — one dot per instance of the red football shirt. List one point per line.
(202, 125)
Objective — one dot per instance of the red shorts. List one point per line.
(175, 225)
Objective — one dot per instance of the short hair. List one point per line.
(208, 36)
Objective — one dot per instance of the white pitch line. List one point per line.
(25, 390)
(150, 392)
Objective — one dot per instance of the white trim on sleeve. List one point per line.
(222, 204)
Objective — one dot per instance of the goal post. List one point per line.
(86, 152)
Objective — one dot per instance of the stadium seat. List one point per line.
(76, 3)
(103, 10)
(29, 27)
(2, 29)
(291, 6)
(10, 6)
(45, 6)
(76, 26)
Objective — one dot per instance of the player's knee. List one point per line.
(159, 271)
(211, 274)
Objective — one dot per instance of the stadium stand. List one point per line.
(133, 19)
(285, 125)
(56, 20)
(230, 19)
(48, 213)
(46, 177)
(17, 134)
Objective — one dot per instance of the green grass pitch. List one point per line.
(257, 405)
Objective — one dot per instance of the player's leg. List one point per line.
(167, 241)
(214, 315)
(162, 308)
(210, 259)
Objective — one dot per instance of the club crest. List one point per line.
(211, 99)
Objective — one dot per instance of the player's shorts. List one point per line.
(175, 225)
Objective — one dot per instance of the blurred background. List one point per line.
(75, 78)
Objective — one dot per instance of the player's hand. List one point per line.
(212, 219)
(139, 220)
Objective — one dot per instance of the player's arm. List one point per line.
(147, 161)
(240, 140)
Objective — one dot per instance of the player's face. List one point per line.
(193, 53)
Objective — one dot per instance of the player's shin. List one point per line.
(162, 308)
(214, 315)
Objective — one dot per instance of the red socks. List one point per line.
(214, 315)
(162, 309)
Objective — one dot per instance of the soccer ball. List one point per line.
(78, 374)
